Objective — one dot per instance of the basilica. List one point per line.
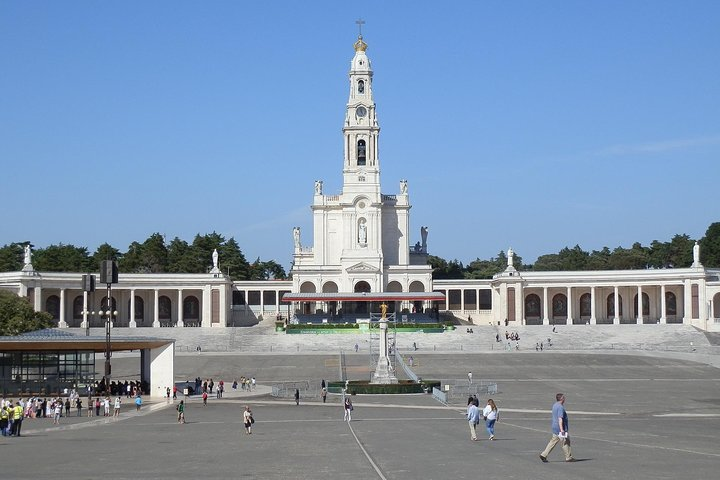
(359, 256)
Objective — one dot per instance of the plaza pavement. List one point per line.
(643, 414)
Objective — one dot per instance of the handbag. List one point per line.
(252, 420)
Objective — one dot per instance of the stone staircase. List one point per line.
(262, 338)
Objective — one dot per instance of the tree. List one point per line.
(634, 258)
(232, 259)
(11, 257)
(710, 246)
(62, 258)
(444, 269)
(17, 315)
(104, 252)
(599, 260)
(179, 258)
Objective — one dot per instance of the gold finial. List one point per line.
(360, 46)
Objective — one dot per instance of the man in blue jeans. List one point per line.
(559, 427)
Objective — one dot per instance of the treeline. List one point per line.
(677, 253)
(153, 255)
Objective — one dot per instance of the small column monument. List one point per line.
(384, 372)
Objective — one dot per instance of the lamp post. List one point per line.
(108, 276)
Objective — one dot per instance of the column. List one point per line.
(447, 299)
(546, 318)
(663, 307)
(277, 301)
(223, 307)
(62, 323)
(180, 316)
(262, 303)
(569, 306)
(462, 300)
(639, 306)
(687, 302)
(616, 299)
(477, 300)
(593, 317)
(132, 323)
(84, 323)
(206, 320)
(519, 304)
(156, 309)
(38, 299)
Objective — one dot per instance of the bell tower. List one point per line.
(361, 170)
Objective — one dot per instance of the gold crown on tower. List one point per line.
(360, 46)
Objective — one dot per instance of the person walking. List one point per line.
(138, 402)
(204, 397)
(78, 405)
(248, 420)
(469, 377)
(559, 426)
(67, 407)
(181, 412)
(323, 394)
(57, 409)
(348, 407)
(116, 410)
(473, 418)
(297, 397)
(490, 414)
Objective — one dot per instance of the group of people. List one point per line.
(489, 414)
(11, 417)
(559, 424)
(246, 383)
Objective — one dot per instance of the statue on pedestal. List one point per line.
(510, 257)
(403, 187)
(423, 236)
(296, 237)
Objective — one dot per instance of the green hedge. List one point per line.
(365, 388)
(322, 326)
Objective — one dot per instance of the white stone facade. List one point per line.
(360, 236)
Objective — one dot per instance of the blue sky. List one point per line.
(535, 125)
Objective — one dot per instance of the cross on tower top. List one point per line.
(360, 22)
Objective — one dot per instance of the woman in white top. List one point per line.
(248, 420)
(118, 402)
(490, 414)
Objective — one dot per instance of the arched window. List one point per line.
(307, 287)
(393, 287)
(191, 308)
(611, 306)
(585, 305)
(532, 305)
(361, 86)
(559, 305)
(52, 306)
(716, 305)
(670, 304)
(104, 304)
(164, 308)
(645, 305)
(139, 309)
(78, 308)
(361, 159)
(362, 287)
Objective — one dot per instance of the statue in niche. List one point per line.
(28, 255)
(362, 233)
(318, 187)
(423, 236)
(296, 237)
(510, 255)
(403, 187)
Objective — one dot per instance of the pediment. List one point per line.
(361, 267)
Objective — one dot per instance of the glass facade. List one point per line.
(43, 373)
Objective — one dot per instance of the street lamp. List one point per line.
(108, 276)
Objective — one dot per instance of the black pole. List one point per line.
(108, 351)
